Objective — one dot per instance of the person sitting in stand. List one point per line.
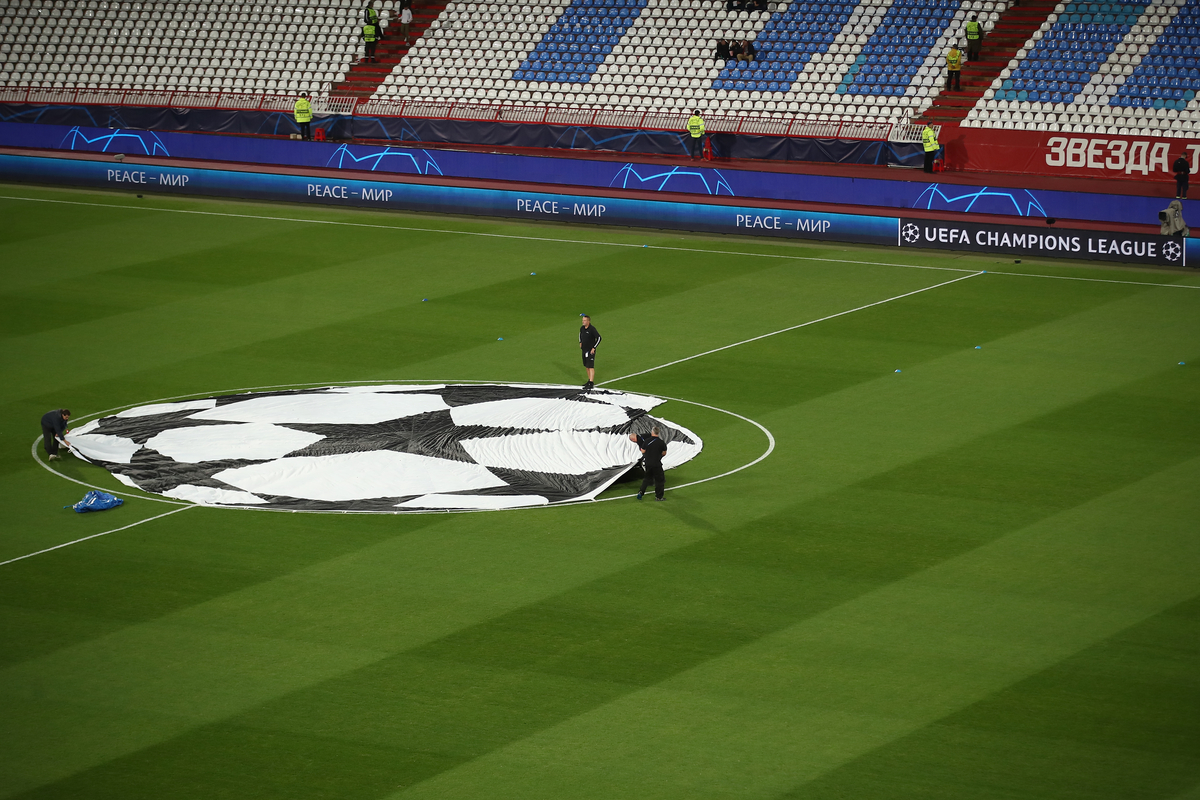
(723, 50)
(735, 49)
(733, 5)
(747, 51)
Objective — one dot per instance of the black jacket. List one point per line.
(589, 338)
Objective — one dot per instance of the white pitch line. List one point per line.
(793, 327)
(783, 256)
(487, 235)
(1095, 280)
(95, 535)
(52, 471)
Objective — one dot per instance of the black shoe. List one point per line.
(588, 385)
(639, 493)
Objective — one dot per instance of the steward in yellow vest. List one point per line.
(695, 128)
(974, 38)
(954, 69)
(304, 115)
(370, 36)
(930, 143)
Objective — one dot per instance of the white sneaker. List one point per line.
(54, 458)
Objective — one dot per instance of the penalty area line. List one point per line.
(793, 327)
(96, 535)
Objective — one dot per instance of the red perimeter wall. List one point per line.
(1077, 155)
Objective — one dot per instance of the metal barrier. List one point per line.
(173, 99)
(809, 126)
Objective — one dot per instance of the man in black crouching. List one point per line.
(54, 427)
(653, 449)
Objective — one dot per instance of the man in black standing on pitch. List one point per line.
(653, 449)
(589, 340)
(54, 427)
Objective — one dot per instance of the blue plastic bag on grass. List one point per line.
(96, 501)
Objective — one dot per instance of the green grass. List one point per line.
(976, 578)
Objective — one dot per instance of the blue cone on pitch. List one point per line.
(645, 245)
(424, 299)
(533, 273)
(1182, 363)
(500, 339)
(977, 347)
(897, 370)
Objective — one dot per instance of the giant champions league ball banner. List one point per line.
(569, 207)
(390, 448)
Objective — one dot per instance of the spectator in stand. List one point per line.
(974, 38)
(735, 49)
(1182, 169)
(747, 51)
(733, 5)
(723, 50)
(954, 69)
(406, 22)
(370, 37)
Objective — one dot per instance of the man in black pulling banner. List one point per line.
(589, 340)
(653, 449)
(54, 427)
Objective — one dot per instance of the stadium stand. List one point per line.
(874, 59)
(219, 46)
(1102, 68)
(362, 79)
(1012, 30)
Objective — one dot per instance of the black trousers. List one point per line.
(371, 50)
(697, 146)
(305, 129)
(48, 440)
(954, 80)
(929, 154)
(655, 474)
(1181, 187)
(973, 48)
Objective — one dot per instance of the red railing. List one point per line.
(172, 99)
(810, 126)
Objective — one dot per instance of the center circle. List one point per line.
(331, 448)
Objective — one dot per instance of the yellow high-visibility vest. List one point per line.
(369, 33)
(303, 110)
(929, 139)
(972, 30)
(695, 126)
(954, 60)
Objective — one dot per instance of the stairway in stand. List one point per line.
(363, 79)
(1009, 35)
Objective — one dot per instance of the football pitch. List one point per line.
(943, 539)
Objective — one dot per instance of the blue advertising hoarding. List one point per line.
(591, 173)
(539, 205)
(573, 207)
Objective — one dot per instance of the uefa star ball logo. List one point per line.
(383, 448)
(1172, 251)
(911, 233)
